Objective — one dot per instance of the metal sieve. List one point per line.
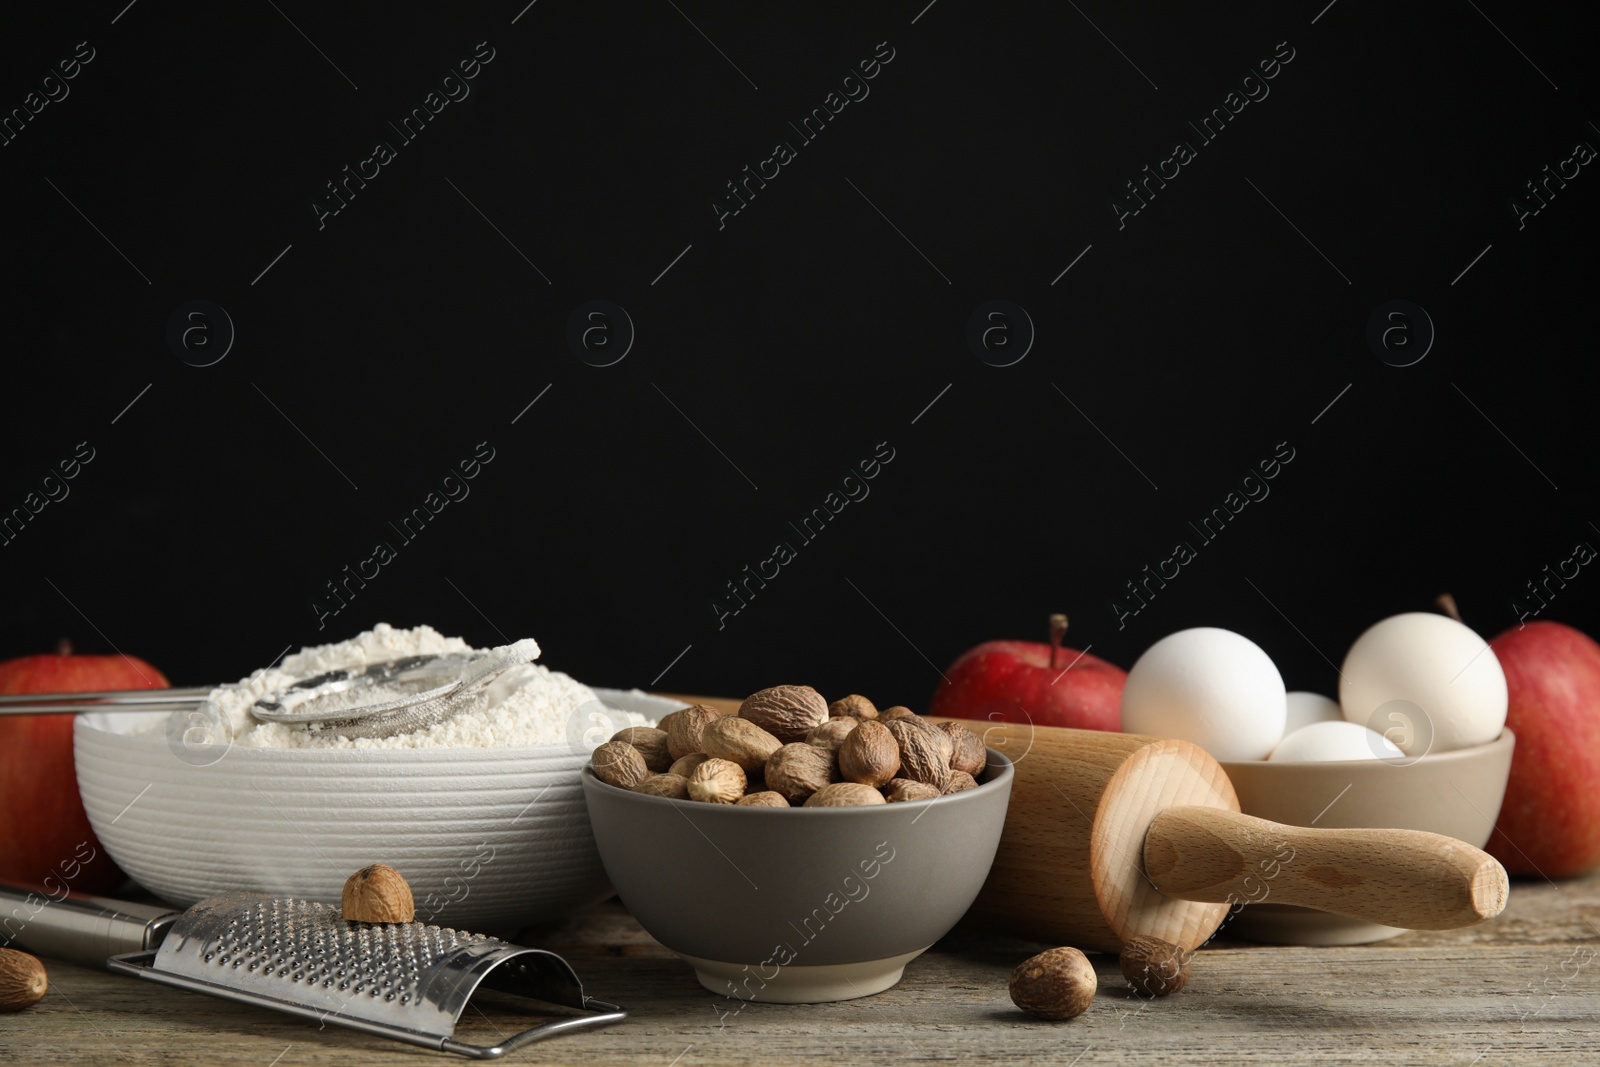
(394, 697)
(405, 694)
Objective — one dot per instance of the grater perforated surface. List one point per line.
(411, 976)
(291, 939)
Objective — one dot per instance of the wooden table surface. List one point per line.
(1523, 988)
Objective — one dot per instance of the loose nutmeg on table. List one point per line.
(1058, 983)
(23, 981)
(1155, 967)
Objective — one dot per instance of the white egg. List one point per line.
(1339, 740)
(1307, 708)
(1209, 686)
(1426, 682)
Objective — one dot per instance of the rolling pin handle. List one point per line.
(1404, 878)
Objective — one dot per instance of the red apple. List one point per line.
(1030, 681)
(43, 827)
(1549, 822)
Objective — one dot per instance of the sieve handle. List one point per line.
(77, 927)
(104, 700)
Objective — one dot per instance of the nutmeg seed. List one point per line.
(959, 782)
(377, 893)
(870, 755)
(855, 706)
(675, 786)
(966, 749)
(844, 795)
(831, 734)
(23, 981)
(685, 766)
(798, 770)
(683, 735)
(620, 764)
(717, 781)
(924, 750)
(739, 741)
(787, 712)
(900, 790)
(651, 743)
(1058, 983)
(764, 799)
(1155, 967)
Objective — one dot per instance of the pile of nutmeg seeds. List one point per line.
(788, 747)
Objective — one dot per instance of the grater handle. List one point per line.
(78, 927)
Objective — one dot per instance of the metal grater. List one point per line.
(408, 981)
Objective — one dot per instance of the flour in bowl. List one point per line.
(527, 705)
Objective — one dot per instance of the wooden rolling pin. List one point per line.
(1109, 836)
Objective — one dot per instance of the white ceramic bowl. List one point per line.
(491, 839)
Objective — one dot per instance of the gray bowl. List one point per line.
(799, 906)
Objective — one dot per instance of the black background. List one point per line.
(380, 349)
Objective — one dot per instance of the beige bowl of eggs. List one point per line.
(1453, 793)
(1416, 741)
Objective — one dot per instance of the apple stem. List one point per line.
(1447, 604)
(64, 646)
(1058, 630)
